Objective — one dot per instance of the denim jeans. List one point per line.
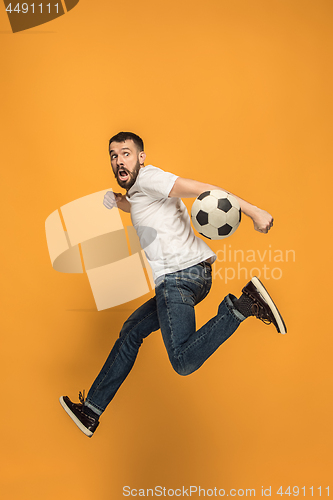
(172, 311)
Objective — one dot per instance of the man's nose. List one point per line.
(120, 162)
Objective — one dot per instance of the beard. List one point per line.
(128, 183)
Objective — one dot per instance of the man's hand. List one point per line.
(188, 188)
(262, 220)
(112, 200)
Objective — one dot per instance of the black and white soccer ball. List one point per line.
(216, 214)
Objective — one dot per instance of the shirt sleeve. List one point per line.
(156, 183)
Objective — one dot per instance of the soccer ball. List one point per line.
(216, 214)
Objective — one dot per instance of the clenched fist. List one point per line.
(262, 221)
(111, 199)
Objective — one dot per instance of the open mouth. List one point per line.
(123, 175)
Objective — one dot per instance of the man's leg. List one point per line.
(123, 355)
(116, 368)
(176, 297)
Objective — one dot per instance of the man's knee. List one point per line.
(182, 370)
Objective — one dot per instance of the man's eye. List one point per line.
(126, 154)
(113, 157)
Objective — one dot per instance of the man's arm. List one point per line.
(188, 188)
(119, 200)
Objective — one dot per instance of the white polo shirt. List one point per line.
(163, 224)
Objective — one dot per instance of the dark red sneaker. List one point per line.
(263, 306)
(85, 423)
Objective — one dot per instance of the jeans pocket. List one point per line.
(187, 291)
(193, 290)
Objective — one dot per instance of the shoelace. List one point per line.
(257, 311)
(82, 397)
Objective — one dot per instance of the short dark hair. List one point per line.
(125, 136)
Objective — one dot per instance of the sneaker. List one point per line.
(263, 306)
(85, 423)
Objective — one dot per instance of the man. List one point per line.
(181, 265)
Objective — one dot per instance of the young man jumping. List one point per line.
(181, 264)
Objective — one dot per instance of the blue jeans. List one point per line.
(172, 311)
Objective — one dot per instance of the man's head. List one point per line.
(127, 157)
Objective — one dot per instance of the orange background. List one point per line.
(234, 93)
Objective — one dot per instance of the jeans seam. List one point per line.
(201, 336)
(179, 356)
(217, 321)
(168, 313)
(205, 287)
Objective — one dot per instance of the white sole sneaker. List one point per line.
(76, 420)
(265, 295)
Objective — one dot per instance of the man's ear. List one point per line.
(142, 157)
